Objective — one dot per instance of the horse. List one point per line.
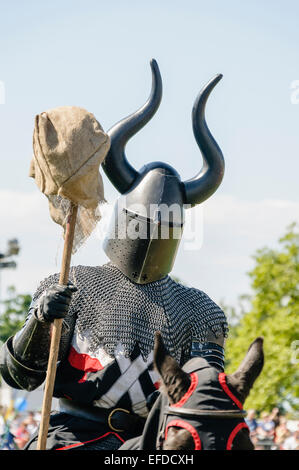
(199, 407)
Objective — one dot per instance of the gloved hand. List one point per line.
(55, 302)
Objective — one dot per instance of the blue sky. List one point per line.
(96, 55)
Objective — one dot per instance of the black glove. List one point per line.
(55, 302)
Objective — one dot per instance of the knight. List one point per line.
(105, 380)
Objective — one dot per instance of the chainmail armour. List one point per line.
(111, 309)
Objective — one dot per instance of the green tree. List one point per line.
(14, 312)
(273, 314)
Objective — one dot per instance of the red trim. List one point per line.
(193, 385)
(83, 378)
(222, 381)
(83, 362)
(67, 396)
(183, 424)
(92, 440)
(234, 433)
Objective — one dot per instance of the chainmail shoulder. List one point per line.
(111, 309)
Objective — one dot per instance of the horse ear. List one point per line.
(243, 379)
(175, 380)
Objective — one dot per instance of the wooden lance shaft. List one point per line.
(56, 332)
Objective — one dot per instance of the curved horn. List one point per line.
(205, 183)
(116, 166)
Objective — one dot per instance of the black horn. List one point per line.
(116, 166)
(205, 183)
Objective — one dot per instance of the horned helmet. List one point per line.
(148, 219)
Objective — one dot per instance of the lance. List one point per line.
(56, 331)
(69, 146)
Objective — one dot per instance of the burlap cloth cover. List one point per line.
(69, 145)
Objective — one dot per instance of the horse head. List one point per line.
(205, 406)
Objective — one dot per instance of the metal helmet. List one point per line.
(146, 227)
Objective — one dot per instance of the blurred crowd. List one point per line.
(17, 428)
(268, 431)
(273, 431)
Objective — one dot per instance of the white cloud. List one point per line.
(232, 230)
(26, 216)
(18, 209)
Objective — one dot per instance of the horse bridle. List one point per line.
(169, 410)
(195, 413)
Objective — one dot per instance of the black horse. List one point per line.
(199, 408)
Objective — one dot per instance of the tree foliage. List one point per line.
(14, 311)
(273, 314)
